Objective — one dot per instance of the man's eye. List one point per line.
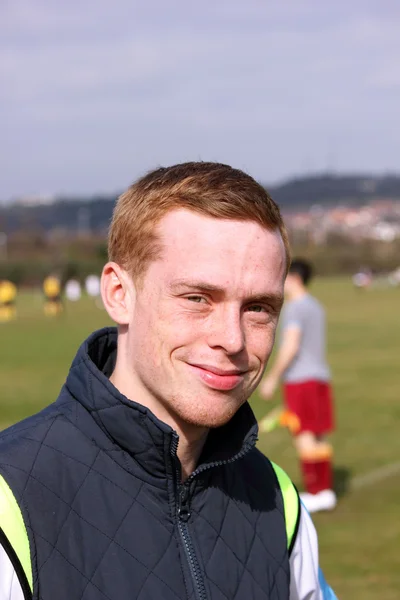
(197, 299)
(257, 308)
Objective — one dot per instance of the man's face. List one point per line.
(205, 316)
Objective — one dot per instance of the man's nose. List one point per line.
(227, 331)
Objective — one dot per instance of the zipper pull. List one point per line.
(183, 505)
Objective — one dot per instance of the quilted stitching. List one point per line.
(108, 517)
(229, 509)
(71, 510)
(255, 548)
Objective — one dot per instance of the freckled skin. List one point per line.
(176, 324)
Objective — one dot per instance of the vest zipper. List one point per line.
(183, 512)
(183, 517)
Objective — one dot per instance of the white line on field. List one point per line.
(361, 481)
(372, 477)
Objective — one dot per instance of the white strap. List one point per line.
(10, 588)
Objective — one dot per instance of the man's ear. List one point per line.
(118, 293)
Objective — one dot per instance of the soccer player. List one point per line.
(302, 366)
(52, 296)
(8, 294)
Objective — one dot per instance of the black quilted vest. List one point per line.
(98, 482)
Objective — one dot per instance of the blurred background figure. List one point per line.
(302, 366)
(394, 277)
(8, 295)
(92, 285)
(53, 305)
(73, 290)
(362, 279)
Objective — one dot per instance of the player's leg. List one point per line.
(324, 426)
(325, 469)
(311, 402)
(296, 401)
(321, 405)
(315, 455)
(306, 446)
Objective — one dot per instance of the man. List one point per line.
(8, 295)
(302, 366)
(53, 305)
(142, 481)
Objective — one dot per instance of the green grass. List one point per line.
(359, 541)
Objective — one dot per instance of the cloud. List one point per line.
(93, 93)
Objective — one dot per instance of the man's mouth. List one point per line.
(217, 378)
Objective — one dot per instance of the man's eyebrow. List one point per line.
(276, 300)
(180, 284)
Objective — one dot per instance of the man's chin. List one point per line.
(211, 417)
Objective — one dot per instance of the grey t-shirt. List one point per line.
(310, 362)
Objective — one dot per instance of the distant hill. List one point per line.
(66, 215)
(335, 189)
(83, 214)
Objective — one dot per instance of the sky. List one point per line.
(95, 93)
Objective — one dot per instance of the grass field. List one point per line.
(359, 542)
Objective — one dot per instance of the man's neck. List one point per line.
(189, 451)
(298, 293)
(191, 437)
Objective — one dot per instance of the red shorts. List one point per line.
(312, 402)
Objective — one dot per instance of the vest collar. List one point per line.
(133, 427)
